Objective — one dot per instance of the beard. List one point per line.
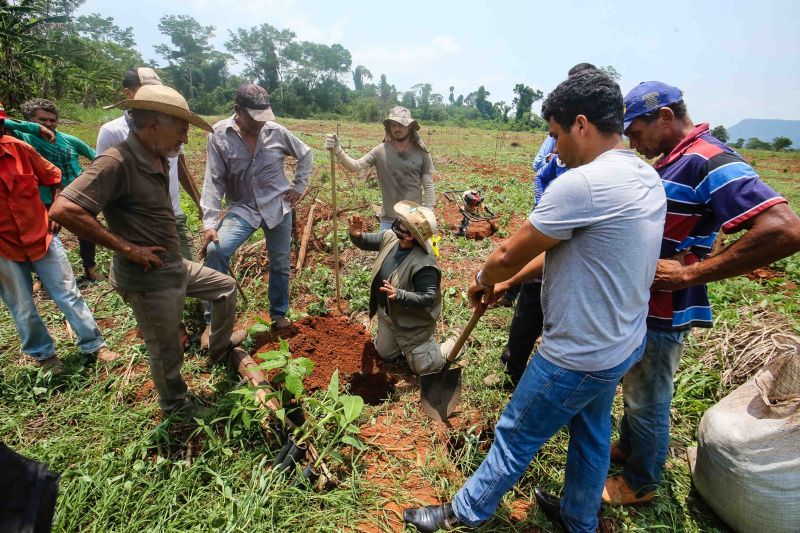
(399, 137)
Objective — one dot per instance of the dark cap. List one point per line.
(136, 77)
(647, 97)
(255, 100)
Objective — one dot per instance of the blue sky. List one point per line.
(733, 60)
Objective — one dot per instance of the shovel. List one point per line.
(441, 390)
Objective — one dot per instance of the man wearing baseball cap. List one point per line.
(402, 161)
(245, 166)
(709, 187)
(129, 184)
(405, 289)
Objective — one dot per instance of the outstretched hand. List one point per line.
(356, 226)
(145, 256)
(391, 292)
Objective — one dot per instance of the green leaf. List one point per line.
(352, 429)
(281, 414)
(333, 386)
(277, 361)
(336, 455)
(257, 329)
(247, 418)
(284, 346)
(294, 384)
(354, 442)
(260, 320)
(302, 366)
(227, 451)
(353, 405)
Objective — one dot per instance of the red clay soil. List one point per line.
(476, 230)
(333, 342)
(765, 273)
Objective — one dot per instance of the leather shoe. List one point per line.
(618, 492)
(432, 518)
(618, 455)
(549, 504)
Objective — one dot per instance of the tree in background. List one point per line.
(738, 144)
(484, 106)
(781, 143)
(720, 133)
(524, 100)
(263, 49)
(611, 72)
(359, 74)
(754, 143)
(190, 49)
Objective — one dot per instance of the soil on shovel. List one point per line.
(333, 342)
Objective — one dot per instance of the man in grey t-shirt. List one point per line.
(404, 166)
(600, 224)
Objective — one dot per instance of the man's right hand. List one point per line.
(47, 134)
(209, 235)
(479, 295)
(332, 142)
(145, 256)
(356, 227)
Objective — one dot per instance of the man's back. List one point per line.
(609, 215)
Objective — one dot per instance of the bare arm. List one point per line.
(771, 235)
(84, 224)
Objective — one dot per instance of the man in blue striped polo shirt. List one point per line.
(709, 186)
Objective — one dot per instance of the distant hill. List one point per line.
(766, 130)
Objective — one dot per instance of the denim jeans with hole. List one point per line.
(548, 398)
(647, 391)
(233, 231)
(55, 273)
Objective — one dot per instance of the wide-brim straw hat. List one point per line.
(164, 100)
(420, 221)
(401, 115)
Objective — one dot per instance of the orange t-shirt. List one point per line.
(24, 228)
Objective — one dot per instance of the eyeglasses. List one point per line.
(399, 230)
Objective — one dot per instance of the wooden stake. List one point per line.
(335, 232)
(301, 255)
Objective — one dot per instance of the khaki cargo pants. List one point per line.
(424, 358)
(158, 315)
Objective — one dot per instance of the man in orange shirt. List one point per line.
(28, 243)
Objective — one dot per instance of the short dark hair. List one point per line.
(678, 109)
(33, 105)
(580, 67)
(590, 93)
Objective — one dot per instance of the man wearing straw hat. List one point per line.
(404, 292)
(245, 165)
(129, 183)
(404, 166)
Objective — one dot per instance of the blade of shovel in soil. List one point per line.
(441, 390)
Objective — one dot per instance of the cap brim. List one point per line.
(627, 124)
(167, 109)
(261, 115)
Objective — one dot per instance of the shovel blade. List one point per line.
(441, 392)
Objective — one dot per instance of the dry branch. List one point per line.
(301, 255)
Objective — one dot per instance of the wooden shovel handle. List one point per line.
(462, 339)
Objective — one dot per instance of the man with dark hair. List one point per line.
(129, 183)
(709, 187)
(63, 152)
(28, 245)
(402, 161)
(609, 200)
(245, 166)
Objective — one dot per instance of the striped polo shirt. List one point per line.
(709, 186)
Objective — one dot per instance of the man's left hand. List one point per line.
(671, 275)
(55, 227)
(292, 197)
(391, 292)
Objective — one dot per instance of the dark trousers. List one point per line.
(526, 326)
(88, 250)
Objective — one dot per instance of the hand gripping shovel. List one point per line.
(441, 390)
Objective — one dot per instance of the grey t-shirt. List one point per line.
(609, 215)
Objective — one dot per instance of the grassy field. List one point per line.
(124, 470)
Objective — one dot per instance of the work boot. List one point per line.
(618, 454)
(204, 337)
(103, 354)
(92, 274)
(550, 505)
(618, 492)
(432, 518)
(52, 365)
(281, 322)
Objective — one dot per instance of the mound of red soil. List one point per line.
(333, 342)
(476, 230)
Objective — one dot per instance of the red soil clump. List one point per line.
(765, 273)
(333, 342)
(476, 230)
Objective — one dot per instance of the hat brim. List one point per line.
(167, 109)
(408, 123)
(261, 115)
(425, 243)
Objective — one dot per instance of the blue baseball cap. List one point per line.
(647, 97)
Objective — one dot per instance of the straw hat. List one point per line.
(164, 100)
(420, 221)
(401, 115)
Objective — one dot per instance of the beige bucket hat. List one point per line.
(401, 115)
(164, 100)
(420, 221)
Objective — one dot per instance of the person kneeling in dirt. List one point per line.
(405, 287)
(403, 163)
(129, 183)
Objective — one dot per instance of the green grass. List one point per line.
(124, 470)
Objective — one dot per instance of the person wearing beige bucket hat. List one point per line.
(129, 184)
(405, 288)
(402, 161)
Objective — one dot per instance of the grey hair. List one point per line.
(142, 116)
(33, 105)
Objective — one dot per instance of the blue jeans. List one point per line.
(548, 398)
(647, 392)
(55, 273)
(385, 226)
(232, 232)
